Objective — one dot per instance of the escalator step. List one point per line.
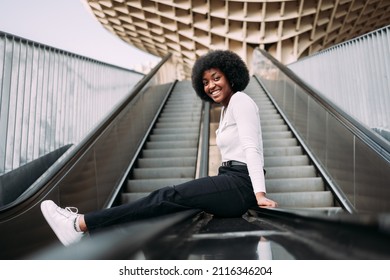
(272, 122)
(174, 137)
(149, 185)
(171, 144)
(274, 128)
(166, 162)
(303, 199)
(164, 172)
(176, 124)
(291, 172)
(277, 135)
(289, 142)
(298, 160)
(294, 185)
(175, 130)
(159, 153)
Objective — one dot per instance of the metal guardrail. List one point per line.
(355, 75)
(354, 159)
(50, 98)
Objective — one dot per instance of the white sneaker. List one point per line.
(62, 222)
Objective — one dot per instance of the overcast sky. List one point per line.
(70, 26)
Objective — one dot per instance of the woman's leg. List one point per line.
(157, 203)
(229, 194)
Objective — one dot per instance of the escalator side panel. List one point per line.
(86, 184)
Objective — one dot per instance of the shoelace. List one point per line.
(68, 211)
(73, 210)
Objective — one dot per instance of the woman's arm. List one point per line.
(249, 129)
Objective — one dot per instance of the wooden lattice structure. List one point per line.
(288, 29)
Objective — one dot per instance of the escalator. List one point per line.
(291, 178)
(169, 154)
(297, 230)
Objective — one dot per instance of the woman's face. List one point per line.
(216, 86)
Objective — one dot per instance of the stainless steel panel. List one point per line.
(289, 96)
(372, 187)
(317, 130)
(300, 110)
(340, 157)
(96, 175)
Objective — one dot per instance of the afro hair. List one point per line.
(226, 61)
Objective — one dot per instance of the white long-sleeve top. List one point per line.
(239, 138)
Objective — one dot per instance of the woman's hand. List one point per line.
(264, 202)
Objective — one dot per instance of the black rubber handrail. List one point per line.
(205, 136)
(117, 243)
(367, 234)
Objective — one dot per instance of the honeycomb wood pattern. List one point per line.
(288, 29)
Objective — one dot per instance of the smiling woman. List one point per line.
(218, 77)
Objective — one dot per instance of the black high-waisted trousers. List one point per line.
(229, 194)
